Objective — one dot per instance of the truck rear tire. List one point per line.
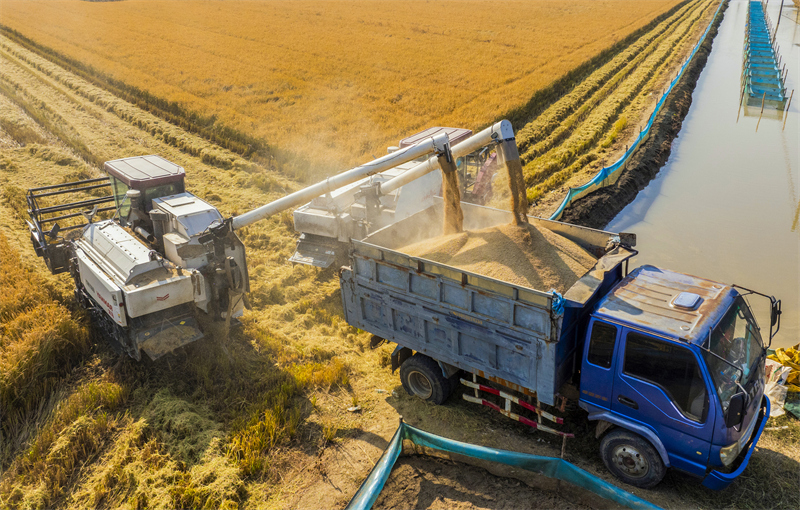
(632, 459)
(422, 377)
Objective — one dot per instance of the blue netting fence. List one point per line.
(548, 466)
(609, 175)
(762, 78)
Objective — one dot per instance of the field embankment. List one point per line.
(591, 125)
(332, 82)
(600, 207)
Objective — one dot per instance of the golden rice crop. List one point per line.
(558, 121)
(577, 130)
(334, 80)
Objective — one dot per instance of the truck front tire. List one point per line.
(422, 377)
(632, 459)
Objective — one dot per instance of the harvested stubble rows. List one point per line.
(579, 128)
(526, 255)
(334, 80)
(83, 428)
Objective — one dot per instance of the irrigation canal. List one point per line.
(726, 204)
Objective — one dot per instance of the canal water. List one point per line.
(726, 204)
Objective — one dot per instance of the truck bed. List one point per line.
(507, 333)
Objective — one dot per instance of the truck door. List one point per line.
(660, 385)
(597, 367)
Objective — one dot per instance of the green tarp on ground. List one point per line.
(548, 466)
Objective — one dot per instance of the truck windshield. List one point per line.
(736, 339)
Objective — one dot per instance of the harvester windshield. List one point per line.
(154, 176)
(737, 341)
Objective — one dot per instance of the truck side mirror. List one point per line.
(735, 413)
(776, 312)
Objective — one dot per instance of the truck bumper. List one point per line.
(717, 480)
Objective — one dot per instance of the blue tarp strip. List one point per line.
(604, 173)
(373, 485)
(547, 466)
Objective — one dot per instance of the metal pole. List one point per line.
(786, 115)
(774, 34)
(762, 111)
(739, 110)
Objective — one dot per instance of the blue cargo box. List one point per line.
(506, 333)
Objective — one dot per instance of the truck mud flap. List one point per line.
(399, 355)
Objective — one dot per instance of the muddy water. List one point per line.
(726, 204)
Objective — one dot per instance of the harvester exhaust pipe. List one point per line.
(436, 144)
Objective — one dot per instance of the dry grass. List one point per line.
(331, 80)
(40, 341)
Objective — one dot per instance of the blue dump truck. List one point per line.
(670, 366)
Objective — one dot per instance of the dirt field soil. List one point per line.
(425, 482)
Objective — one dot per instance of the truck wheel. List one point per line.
(632, 459)
(422, 377)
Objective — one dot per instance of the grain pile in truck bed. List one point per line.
(525, 255)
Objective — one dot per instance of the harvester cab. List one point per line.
(136, 181)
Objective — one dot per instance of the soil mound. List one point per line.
(525, 255)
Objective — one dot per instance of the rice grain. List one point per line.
(525, 255)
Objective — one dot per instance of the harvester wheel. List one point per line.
(422, 377)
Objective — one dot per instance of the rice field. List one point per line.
(332, 81)
(572, 138)
(259, 418)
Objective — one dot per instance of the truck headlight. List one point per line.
(728, 454)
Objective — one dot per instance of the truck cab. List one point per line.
(672, 369)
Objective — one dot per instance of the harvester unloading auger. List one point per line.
(165, 255)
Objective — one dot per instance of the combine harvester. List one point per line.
(671, 366)
(168, 257)
(330, 221)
